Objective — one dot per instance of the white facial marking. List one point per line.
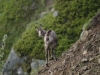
(40, 35)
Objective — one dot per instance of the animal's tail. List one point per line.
(47, 34)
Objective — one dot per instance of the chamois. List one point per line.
(50, 40)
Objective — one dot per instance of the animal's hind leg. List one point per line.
(49, 55)
(53, 54)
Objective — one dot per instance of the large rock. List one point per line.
(36, 63)
(11, 62)
(87, 72)
(83, 35)
(55, 13)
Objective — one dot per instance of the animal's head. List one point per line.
(40, 31)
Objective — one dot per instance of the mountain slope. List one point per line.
(70, 15)
(83, 58)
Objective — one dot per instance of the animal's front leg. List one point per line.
(46, 54)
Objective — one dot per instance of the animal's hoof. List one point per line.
(47, 65)
(56, 59)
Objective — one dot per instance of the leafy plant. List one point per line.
(15, 15)
(2, 46)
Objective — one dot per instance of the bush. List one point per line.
(2, 51)
(14, 17)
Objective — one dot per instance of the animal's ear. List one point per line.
(41, 26)
(36, 28)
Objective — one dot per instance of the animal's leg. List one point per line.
(49, 54)
(53, 54)
(46, 54)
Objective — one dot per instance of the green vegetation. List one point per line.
(68, 26)
(2, 48)
(34, 71)
(15, 16)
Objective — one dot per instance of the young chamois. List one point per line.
(50, 40)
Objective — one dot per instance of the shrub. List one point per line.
(2, 51)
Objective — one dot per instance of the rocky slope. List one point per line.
(15, 65)
(83, 58)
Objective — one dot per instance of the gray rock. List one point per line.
(83, 35)
(63, 62)
(62, 73)
(43, 14)
(41, 62)
(52, 10)
(87, 72)
(84, 60)
(99, 49)
(84, 68)
(98, 61)
(50, 72)
(36, 63)
(84, 52)
(20, 71)
(91, 59)
(74, 67)
(11, 62)
(55, 14)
